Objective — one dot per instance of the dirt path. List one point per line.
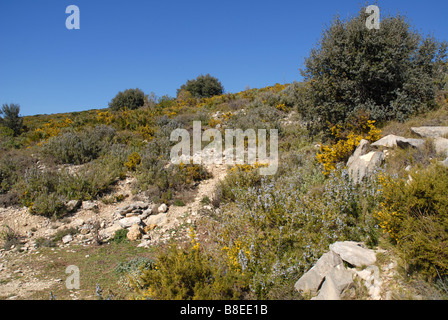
(178, 219)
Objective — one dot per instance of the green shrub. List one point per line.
(187, 274)
(120, 236)
(80, 147)
(11, 118)
(10, 237)
(390, 73)
(129, 99)
(415, 215)
(203, 87)
(135, 265)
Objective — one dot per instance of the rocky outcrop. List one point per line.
(353, 253)
(329, 278)
(430, 132)
(368, 156)
(362, 164)
(441, 145)
(392, 141)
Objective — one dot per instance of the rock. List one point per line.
(445, 162)
(68, 238)
(389, 141)
(362, 149)
(125, 209)
(364, 165)
(392, 141)
(149, 228)
(328, 291)
(353, 253)
(336, 281)
(156, 219)
(441, 145)
(162, 208)
(109, 232)
(89, 205)
(140, 205)
(134, 233)
(73, 205)
(430, 132)
(129, 221)
(408, 142)
(145, 214)
(311, 280)
(77, 223)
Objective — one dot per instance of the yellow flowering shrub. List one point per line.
(134, 160)
(414, 213)
(346, 143)
(52, 129)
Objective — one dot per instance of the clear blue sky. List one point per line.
(158, 45)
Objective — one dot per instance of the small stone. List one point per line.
(129, 221)
(73, 205)
(149, 228)
(134, 233)
(67, 239)
(89, 205)
(163, 208)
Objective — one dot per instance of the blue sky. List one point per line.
(158, 45)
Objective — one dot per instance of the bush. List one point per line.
(345, 142)
(202, 87)
(129, 99)
(414, 213)
(120, 236)
(274, 232)
(390, 73)
(11, 118)
(187, 274)
(80, 147)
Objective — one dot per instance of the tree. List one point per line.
(203, 87)
(11, 118)
(130, 99)
(390, 73)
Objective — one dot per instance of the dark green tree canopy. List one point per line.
(11, 118)
(203, 87)
(390, 73)
(130, 99)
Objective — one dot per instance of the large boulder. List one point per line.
(441, 145)
(392, 141)
(364, 165)
(311, 280)
(361, 150)
(430, 132)
(353, 253)
(336, 281)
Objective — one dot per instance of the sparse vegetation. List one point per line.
(257, 235)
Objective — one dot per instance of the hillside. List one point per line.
(59, 212)
(337, 190)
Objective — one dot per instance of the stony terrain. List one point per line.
(148, 223)
(346, 266)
